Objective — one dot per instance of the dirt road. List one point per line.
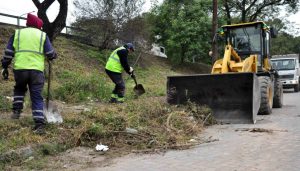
(272, 144)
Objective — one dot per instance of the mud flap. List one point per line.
(233, 97)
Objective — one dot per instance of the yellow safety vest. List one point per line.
(113, 64)
(29, 49)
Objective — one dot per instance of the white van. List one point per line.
(288, 70)
(158, 51)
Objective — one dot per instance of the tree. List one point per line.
(284, 25)
(138, 30)
(279, 24)
(285, 44)
(252, 10)
(54, 28)
(101, 32)
(106, 17)
(184, 28)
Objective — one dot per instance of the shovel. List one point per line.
(138, 88)
(51, 111)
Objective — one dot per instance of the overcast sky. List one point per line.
(19, 7)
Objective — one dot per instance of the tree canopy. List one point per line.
(252, 10)
(183, 27)
(105, 20)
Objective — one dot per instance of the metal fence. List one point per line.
(69, 32)
(18, 20)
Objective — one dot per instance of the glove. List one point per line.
(54, 56)
(131, 70)
(4, 73)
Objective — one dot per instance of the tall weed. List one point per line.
(79, 88)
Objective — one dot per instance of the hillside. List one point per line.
(81, 89)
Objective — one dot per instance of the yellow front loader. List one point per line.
(241, 84)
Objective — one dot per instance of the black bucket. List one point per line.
(232, 97)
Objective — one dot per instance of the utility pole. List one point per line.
(214, 31)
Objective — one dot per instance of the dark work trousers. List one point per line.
(119, 83)
(34, 80)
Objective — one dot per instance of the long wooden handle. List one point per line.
(133, 77)
(49, 82)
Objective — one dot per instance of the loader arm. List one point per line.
(226, 65)
(223, 65)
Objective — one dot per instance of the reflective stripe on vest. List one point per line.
(29, 49)
(113, 64)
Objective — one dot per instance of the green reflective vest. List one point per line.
(113, 64)
(29, 49)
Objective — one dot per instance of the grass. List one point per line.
(159, 125)
(77, 88)
(79, 78)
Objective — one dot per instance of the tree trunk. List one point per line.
(54, 28)
(227, 9)
(244, 11)
(214, 31)
(182, 53)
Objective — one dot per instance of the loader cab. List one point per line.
(248, 39)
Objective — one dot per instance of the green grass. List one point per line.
(4, 104)
(77, 88)
(101, 56)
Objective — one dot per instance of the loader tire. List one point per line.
(266, 90)
(278, 94)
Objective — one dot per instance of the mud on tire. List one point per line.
(278, 94)
(266, 90)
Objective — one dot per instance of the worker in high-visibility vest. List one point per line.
(117, 62)
(27, 48)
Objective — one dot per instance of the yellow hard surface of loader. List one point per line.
(242, 84)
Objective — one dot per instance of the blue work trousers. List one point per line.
(34, 80)
(119, 83)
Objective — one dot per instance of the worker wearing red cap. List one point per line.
(28, 47)
(116, 63)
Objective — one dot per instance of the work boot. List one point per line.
(120, 100)
(39, 128)
(113, 100)
(16, 114)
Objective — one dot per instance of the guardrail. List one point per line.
(13, 16)
(68, 31)
(19, 18)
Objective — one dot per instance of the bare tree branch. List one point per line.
(227, 11)
(54, 28)
(36, 3)
(251, 10)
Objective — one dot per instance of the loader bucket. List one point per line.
(233, 97)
